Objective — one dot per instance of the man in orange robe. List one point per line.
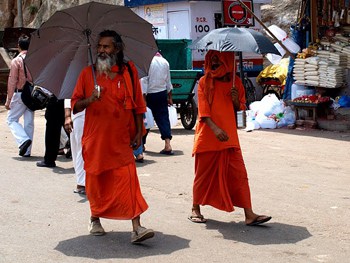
(220, 174)
(113, 128)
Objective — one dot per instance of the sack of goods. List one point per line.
(35, 97)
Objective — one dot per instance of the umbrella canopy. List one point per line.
(235, 39)
(60, 48)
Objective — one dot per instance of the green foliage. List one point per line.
(33, 9)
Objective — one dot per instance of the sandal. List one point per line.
(197, 219)
(80, 191)
(139, 158)
(259, 220)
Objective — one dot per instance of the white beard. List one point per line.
(104, 65)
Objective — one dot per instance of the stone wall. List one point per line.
(35, 12)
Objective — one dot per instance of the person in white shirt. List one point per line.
(74, 125)
(159, 96)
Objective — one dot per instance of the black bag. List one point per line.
(33, 96)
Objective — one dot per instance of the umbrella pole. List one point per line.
(241, 73)
(88, 33)
(92, 66)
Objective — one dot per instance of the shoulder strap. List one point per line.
(25, 68)
(131, 76)
(130, 73)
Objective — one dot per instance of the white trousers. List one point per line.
(63, 139)
(25, 132)
(76, 147)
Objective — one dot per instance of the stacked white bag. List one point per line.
(324, 70)
(305, 71)
(299, 71)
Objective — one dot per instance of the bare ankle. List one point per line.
(93, 218)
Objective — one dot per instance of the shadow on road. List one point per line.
(57, 169)
(271, 233)
(331, 135)
(60, 170)
(157, 154)
(175, 131)
(117, 245)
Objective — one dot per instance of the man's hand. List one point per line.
(82, 104)
(96, 95)
(220, 134)
(136, 142)
(68, 124)
(7, 106)
(170, 98)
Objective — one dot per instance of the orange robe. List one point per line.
(220, 174)
(112, 185)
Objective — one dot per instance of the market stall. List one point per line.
(321, 71)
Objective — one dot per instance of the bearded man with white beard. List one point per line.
(113, 128)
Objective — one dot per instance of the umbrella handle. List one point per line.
(87, 33)
(98, 88)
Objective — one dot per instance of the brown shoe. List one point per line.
(141, 234)
(96, 229)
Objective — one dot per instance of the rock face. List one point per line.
(35, 12)
(280, 12)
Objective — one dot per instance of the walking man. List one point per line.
(159, 96)
(74, 125)
(220, 175)
(113, 128)
(14, 104)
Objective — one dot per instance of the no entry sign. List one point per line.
(235, 14)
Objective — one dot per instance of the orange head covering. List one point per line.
(227, 66)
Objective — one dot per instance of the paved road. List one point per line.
(300, 177)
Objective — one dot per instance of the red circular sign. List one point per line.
(237, 13)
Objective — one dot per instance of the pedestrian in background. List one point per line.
(74, 125)
(220, 174)
(54, 115)
(113, 129)
(64, 142)
(14, 104)
(138, 153)
(159, 96)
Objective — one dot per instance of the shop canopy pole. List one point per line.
(313, 9)
(266, 28)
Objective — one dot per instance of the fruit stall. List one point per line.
(308, 108)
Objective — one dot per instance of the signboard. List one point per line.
(237, 15)
(154, 14)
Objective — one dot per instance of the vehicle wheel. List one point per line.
(249, 91)
(188, 114)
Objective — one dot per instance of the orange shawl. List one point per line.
(215, 101)
(109, 122)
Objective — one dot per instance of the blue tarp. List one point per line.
(299, 34)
